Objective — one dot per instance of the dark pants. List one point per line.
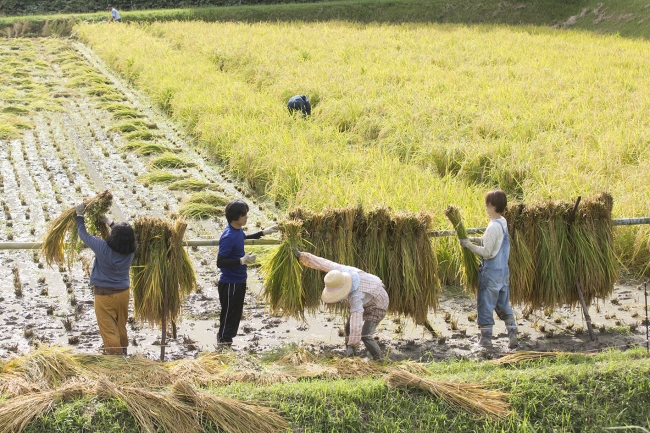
(367, 337)
(231, 297)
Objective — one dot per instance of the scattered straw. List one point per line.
(230, 416)
(471, 398)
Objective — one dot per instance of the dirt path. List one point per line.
(72, 152)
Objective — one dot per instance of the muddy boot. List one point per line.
(486, 337)
(512, 335)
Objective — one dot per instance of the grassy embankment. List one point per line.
(414, 117)
(627, 18)
(576, 394)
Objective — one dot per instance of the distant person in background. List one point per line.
(115, 15)
(299, 103)
(494, 273)
(110, 280)
(232, 261)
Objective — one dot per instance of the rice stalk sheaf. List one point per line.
(62, 239)
(160, 260)
(395, 247)
(550, 253)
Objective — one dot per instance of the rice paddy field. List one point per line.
(414, 117)
(176, 118)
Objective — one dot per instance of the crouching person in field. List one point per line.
(494, 273)
(364, 292)
(110, 280)
(299, 103)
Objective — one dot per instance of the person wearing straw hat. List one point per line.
(110, 280)
(363, 291)
(494, 273)
(232, 261)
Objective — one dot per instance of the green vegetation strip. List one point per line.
(566, 394)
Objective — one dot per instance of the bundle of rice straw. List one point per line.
(469, 259)
(350, 368)
(283, 288)
(133, 371)
(229, 415)
(160, 261)
(62, 237)
(16, 413)
(526, 356)
(12, 385)
(471, 398)
(154, 411)
(200, 371)
(552, 250)
(46, 367)
(395, 247)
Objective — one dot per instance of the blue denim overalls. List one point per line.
(494, 285)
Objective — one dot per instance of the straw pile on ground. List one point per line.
(62, 237)
(528, 356)
(468, 397)
(51, 375)
(160, 265)
(395, 247)
(470, 261)
(552, 249)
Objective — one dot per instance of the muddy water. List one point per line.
(72, 153)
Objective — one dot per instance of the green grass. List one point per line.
(169, 160)
(574, 394)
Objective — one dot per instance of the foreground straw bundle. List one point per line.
(552, 249)
(62, 237)
(471, 398)
(160, 265)
(395, 247)
(470, 261)
(527, 356)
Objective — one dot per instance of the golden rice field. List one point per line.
(415, 117)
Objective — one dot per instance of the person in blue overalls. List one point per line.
(494, 273)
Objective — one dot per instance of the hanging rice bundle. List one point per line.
(160, 263)
(469, 259)
(552, 249)
(16, 413)
(396, 248)
(471, 398)
(62, 237)
(283, 289)
(229, 415)
(154, 411)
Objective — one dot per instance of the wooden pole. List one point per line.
(163, 338)
(583, 304)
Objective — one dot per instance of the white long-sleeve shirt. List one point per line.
(491, 240)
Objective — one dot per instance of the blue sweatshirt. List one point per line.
(110, 268)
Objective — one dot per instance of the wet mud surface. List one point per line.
(72, 153)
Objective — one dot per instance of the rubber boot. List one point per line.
(486, 337)
(512, 335)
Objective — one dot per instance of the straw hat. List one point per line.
(337, 286)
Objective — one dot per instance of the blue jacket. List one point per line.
(110, 268)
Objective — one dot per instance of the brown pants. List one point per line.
(112, 311)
